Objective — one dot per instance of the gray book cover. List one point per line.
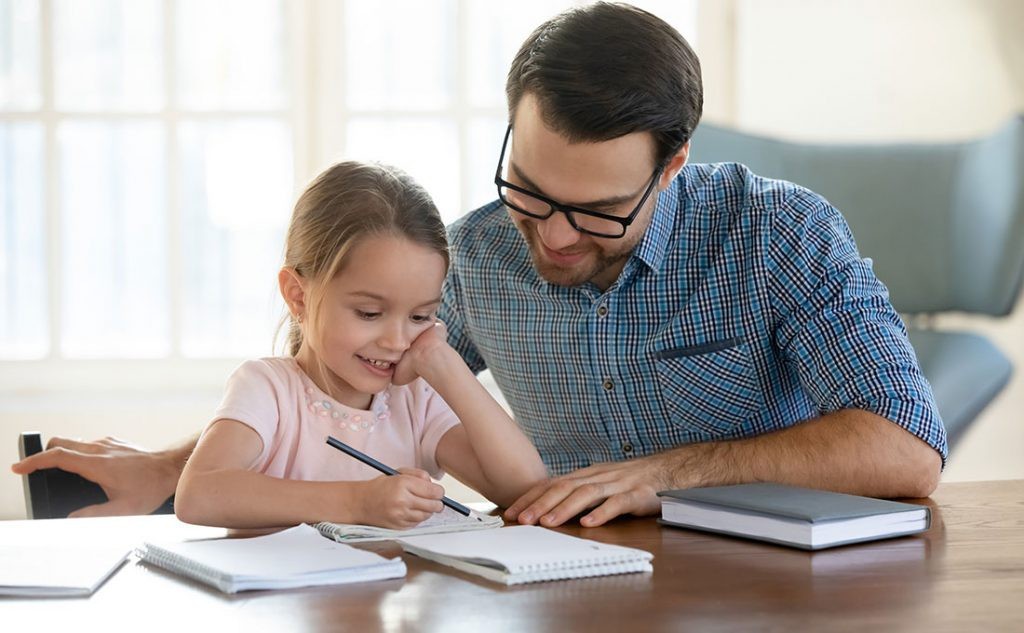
(793, 505)
(790, 502)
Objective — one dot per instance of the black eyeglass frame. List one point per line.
(568, 210)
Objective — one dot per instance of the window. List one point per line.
(147, 168)
(151, 150)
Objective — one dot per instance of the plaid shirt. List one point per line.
(744, 309)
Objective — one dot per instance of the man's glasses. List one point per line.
(583, 220)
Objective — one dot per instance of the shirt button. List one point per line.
(627, 448)
(608, 385)
(602, 311)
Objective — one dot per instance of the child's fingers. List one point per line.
(404, 372)
(410, 508)
(412, 518)
(420, 487)
(427, 506)
(426, 489)
(415, 472)
(411, 489)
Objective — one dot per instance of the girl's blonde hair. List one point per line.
(349, 202)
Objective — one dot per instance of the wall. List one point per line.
(876, 70)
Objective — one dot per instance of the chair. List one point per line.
(944, 224)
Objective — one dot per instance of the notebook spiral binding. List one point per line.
(579, 563)
(174, 563)
(569, 573)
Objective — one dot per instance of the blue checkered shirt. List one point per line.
(744, 309)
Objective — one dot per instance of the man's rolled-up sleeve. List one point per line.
(836, 326)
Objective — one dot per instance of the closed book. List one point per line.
(527, 553)
(789, 515)
(296, 557)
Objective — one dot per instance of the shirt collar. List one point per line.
(654, 244)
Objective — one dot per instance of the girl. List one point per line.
(368, 363)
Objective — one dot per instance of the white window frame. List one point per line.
(174, 372)
(318, 116)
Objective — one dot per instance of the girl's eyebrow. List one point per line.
(430, 303)
(376, 297)
(367, 294)
(604, 202)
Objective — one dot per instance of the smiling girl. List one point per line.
(368, 363)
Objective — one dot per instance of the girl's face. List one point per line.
(372, 311)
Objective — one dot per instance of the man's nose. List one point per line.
(556, 232)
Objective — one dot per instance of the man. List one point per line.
(655, 325)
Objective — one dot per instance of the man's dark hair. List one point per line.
(605, 70)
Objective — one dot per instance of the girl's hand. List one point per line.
(428, 348)
(400, 501)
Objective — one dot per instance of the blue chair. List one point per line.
(944, 224)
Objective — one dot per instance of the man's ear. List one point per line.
(293, 290)
(674, 164)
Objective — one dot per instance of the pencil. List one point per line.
(388, 470)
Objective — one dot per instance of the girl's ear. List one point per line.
(293, 290)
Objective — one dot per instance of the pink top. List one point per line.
(293, 417)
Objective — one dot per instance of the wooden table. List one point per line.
(965, 574)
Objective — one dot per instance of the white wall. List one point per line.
(877, 70)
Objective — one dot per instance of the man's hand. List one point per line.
(614, 488)
(135, 480)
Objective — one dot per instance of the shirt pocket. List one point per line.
(710, 389)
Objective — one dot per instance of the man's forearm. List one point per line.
(850, 451)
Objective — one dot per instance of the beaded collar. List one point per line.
(347, 417)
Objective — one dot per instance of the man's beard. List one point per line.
(577, 275)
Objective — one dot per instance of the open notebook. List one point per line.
(527, 553)
(296, 557)
(447, 520)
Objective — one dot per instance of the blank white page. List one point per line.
(298, 550)
(524, 547)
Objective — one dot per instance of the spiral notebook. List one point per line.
(297, 557)
(527, 553)
(447, 520)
